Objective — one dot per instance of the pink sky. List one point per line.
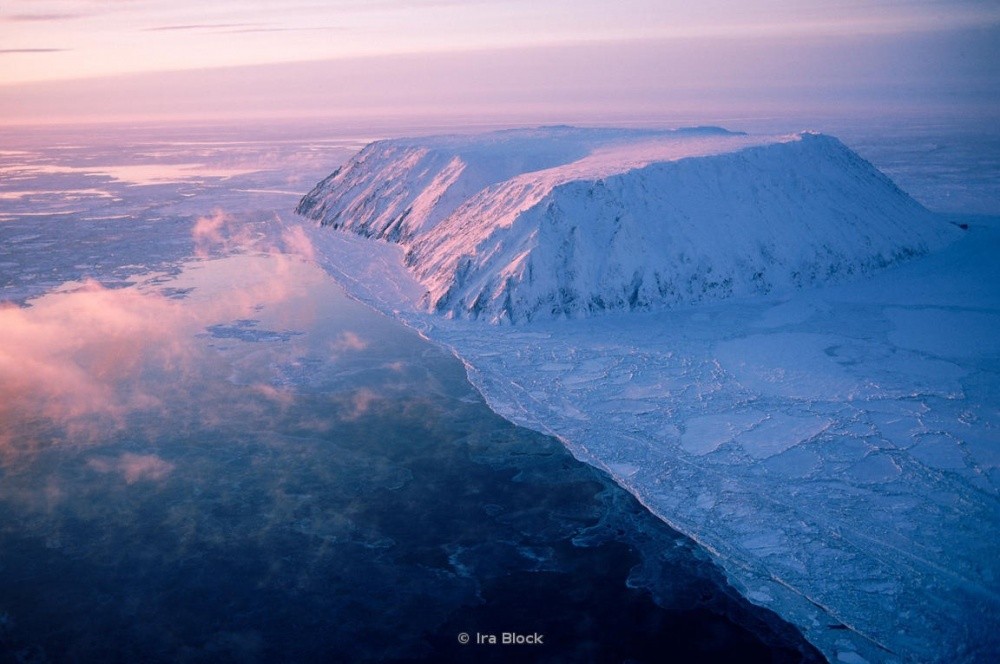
(107, 59)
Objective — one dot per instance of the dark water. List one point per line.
(314, 483)
(226, 460)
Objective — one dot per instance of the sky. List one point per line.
(159, 59)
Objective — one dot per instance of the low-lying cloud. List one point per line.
(356, 404)
(200, 26)
(221, 232)
(74, 354)
(348, 341)
(133, 467)
(11, 51)
(86, 356)
(296, 241)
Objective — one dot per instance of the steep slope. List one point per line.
(556, 222)
(394, 189)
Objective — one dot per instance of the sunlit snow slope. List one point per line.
(560, 221)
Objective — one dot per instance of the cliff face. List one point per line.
(511, 226)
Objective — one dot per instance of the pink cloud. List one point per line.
(84, 357)
(283, 398)
(207, 231)
(134, 467)
(297, 242)
(220, 232)
(81, 357)
(71, 355)
(348, 341)
(358, 403)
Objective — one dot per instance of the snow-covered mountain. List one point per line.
(395, 189)
(561, 221)
(833, 449)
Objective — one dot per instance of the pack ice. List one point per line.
(727, 325)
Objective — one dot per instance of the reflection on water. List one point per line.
(90, 357)
(236, 463)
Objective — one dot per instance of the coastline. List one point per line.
(765, 567)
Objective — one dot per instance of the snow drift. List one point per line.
(563, 222)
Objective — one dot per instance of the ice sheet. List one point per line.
(837, 451)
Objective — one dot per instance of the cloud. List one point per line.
(348, 341)
(80, 363)
(282, 397)
(207, 231)
(73, 358)
(238, 28)
(39, 18)
(201, 26)
(220, 233)
(134, 467)
(320, 28)
(6, 51)
(358, 403)
(296, 241)
(76, 363)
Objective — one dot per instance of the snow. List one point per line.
(564, 222)
(793, 365)
(836, 448)
(780, 432)
(944, 333)
(706, 433)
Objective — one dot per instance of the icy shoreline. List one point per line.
(835, 450)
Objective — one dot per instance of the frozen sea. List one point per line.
(834, 448)
(211, 453)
